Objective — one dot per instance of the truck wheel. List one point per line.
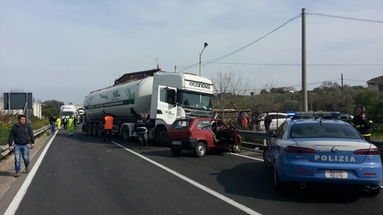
(200, 149)
(94, 130)
(100, 132)
(125, 133)
(88, 131)
(90, 127)
(160, 135)
(176, 151)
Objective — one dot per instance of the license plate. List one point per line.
(336, 174)
(178, 143)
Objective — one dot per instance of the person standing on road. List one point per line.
(362, 123)
(70, 126)
(141, 127)
(58, 121)
(20, 136)
(108, 126)
(267, 122)
(52, 122)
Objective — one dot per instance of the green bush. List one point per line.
(8, 120)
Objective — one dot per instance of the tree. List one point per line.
(51, 107)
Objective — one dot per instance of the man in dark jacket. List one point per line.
(267, 122)
(19, 138)
(141, 126)
(52, 122)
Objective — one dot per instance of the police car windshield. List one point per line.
(323, 130)
(193, 100)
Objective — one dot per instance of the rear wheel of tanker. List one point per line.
(100, 131)
(94, 130)
(88, 131)
(125, 133)
(200, 149)
(160, 135)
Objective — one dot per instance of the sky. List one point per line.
(64, 49)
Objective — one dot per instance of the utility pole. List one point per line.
(304, 77)
(199, 59)
(175, 68)
(341, 79)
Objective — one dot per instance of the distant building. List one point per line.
(376, 84)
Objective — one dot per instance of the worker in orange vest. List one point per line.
(108, 126)
(245, 122)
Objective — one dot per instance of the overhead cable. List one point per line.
(245, 46)
(348, 18)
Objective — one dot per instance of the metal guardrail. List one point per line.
(253, 134)
(4, 148)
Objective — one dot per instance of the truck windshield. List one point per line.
(67, 113)
(193, 100)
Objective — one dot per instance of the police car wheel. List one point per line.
(278, 184)
(373, 192)
(200, 149)
(268, 158)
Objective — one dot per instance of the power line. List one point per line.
(298, 64)
(245, 46)
(297, 85)
(348, 18)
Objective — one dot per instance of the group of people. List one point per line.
(67, 123)
(254, 121)
(141, 126)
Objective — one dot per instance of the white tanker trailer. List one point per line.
(164, 96)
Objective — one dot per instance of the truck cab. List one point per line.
(201, 135)
(176, 96)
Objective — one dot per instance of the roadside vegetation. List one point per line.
(7, 121)
(234, 93)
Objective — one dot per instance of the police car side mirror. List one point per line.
(270, 134)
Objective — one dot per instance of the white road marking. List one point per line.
(194, 183)
(24, 187)
(244, 156)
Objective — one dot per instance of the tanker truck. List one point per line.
(164, 96)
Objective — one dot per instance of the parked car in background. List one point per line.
(276, 120)
(201, 135)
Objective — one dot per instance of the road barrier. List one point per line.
(262, 135)
(4, 148)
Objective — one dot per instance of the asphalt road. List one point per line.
(84, 175)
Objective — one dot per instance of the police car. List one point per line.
(323, 152)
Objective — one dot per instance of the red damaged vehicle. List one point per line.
(201, 135)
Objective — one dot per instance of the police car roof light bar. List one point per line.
(315, 115)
